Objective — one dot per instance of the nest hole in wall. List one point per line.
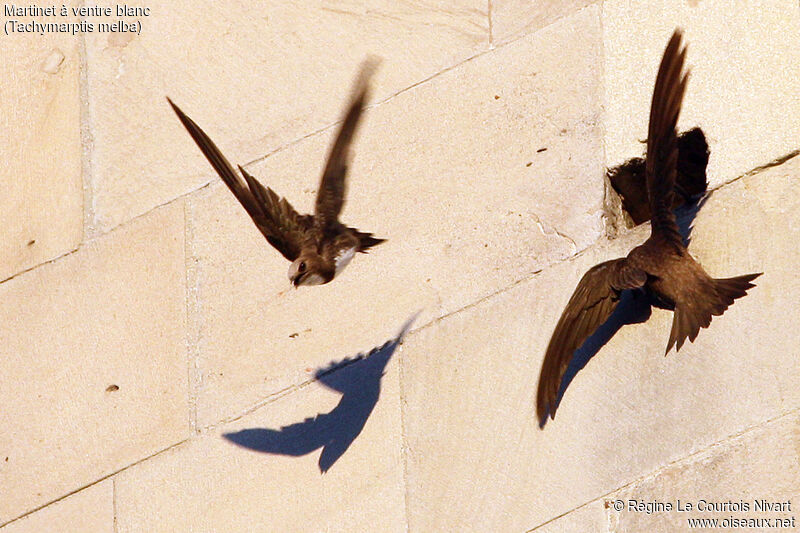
(626, 202)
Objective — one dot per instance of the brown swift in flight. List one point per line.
(661, 266)
(318, 245)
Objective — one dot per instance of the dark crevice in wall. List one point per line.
(629, 205)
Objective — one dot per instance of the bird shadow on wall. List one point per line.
(635, 306)
(358, 379)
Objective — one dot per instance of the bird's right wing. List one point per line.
(333, 186)
(277, 220)
(591, 304)
(662, 142)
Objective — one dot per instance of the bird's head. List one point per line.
(307, 270)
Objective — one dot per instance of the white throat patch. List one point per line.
(343, 258)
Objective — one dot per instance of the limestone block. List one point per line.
(589, 518)
(93, 346)
(256, 76)
(450, 173)
(91, 509)
(761, 465)
(211, 484)
(470, 380)
(42, 201)
(511, 18)
(754, 223)
(744, 90)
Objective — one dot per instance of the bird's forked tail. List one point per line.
(711, 299)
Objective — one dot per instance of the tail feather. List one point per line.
(687, 325)
(696, 322)
(729, 289)
(366, 240)
(696, 313)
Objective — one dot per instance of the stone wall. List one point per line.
(149, 347)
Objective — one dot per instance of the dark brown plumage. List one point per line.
(661, 266)
(318, 245)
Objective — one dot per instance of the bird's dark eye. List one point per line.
(302, 266)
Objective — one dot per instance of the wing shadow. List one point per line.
(358, 379)
(635, 307)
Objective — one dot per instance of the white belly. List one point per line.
(344, 258)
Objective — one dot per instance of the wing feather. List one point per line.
(662, 143)
(593, 301)
(333, 186)
(282, 226)
(285, 229)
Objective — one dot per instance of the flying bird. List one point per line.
(662, 266)
(319, 245)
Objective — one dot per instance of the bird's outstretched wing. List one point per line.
(333, 186)
(282, 226)
(591, 304)
(662, 144)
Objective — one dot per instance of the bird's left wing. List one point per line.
(591, 304)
